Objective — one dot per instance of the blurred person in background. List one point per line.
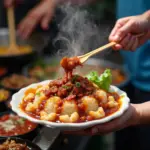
(41, 14)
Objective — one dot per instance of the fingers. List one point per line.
(129, 42)
(40, 14)
(45, 21)
(118, 25)
(113, 36)
(27, 26)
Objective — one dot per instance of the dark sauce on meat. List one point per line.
(72, 87)
(69, 64)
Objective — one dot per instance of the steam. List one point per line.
(77, 33)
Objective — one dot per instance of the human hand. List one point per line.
(42, 14)
(129, 118)
(125, 30)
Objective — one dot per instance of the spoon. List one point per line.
(86, 56)
(13, 48)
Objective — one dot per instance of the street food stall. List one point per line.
(32, 65)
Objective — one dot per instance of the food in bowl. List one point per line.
(118, 76)
(73, 98)
(13, 125)
(16, 81)
(4, 95)
(4, 51)
(13, 145)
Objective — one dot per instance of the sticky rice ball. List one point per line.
(90, 103)
(52, 104)
(97, 114)
(111, 102)
(101, 96)
(48, 117)
(69, 107)
(69, 119)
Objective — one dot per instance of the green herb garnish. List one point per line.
(103, 81)
(77, 84)
(66, 87)
(74, 78)
(38, 94)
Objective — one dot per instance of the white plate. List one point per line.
(17, 98)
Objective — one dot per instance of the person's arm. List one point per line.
(126, 29)
(137, 114)
(42, 13)
(143, 113)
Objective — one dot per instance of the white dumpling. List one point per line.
(43, 88)
(30, 107)
(90, 103)
(38, 100)
(111, 102)
(69, 107)
(97, 114)
(48, 117)
(69, 119)
(101, 96)
(52, 104)
(29, 97)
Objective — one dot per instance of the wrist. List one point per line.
(136, 115)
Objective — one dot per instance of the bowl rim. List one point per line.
(18, 135)
(17, 98)
(22, 140)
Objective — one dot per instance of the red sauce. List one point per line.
(69, 64)
(12, 125)
(71, 87)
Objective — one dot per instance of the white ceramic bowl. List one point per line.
(17, 98)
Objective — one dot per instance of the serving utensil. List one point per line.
(13, 47)
(86, 56)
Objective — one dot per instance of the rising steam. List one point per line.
(77, 33)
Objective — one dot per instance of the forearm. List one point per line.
(142, 113)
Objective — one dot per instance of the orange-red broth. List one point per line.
(83, 117)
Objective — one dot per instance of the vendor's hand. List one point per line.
(42, 14)
(130, 117)
(9, 3)
(125, 30)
